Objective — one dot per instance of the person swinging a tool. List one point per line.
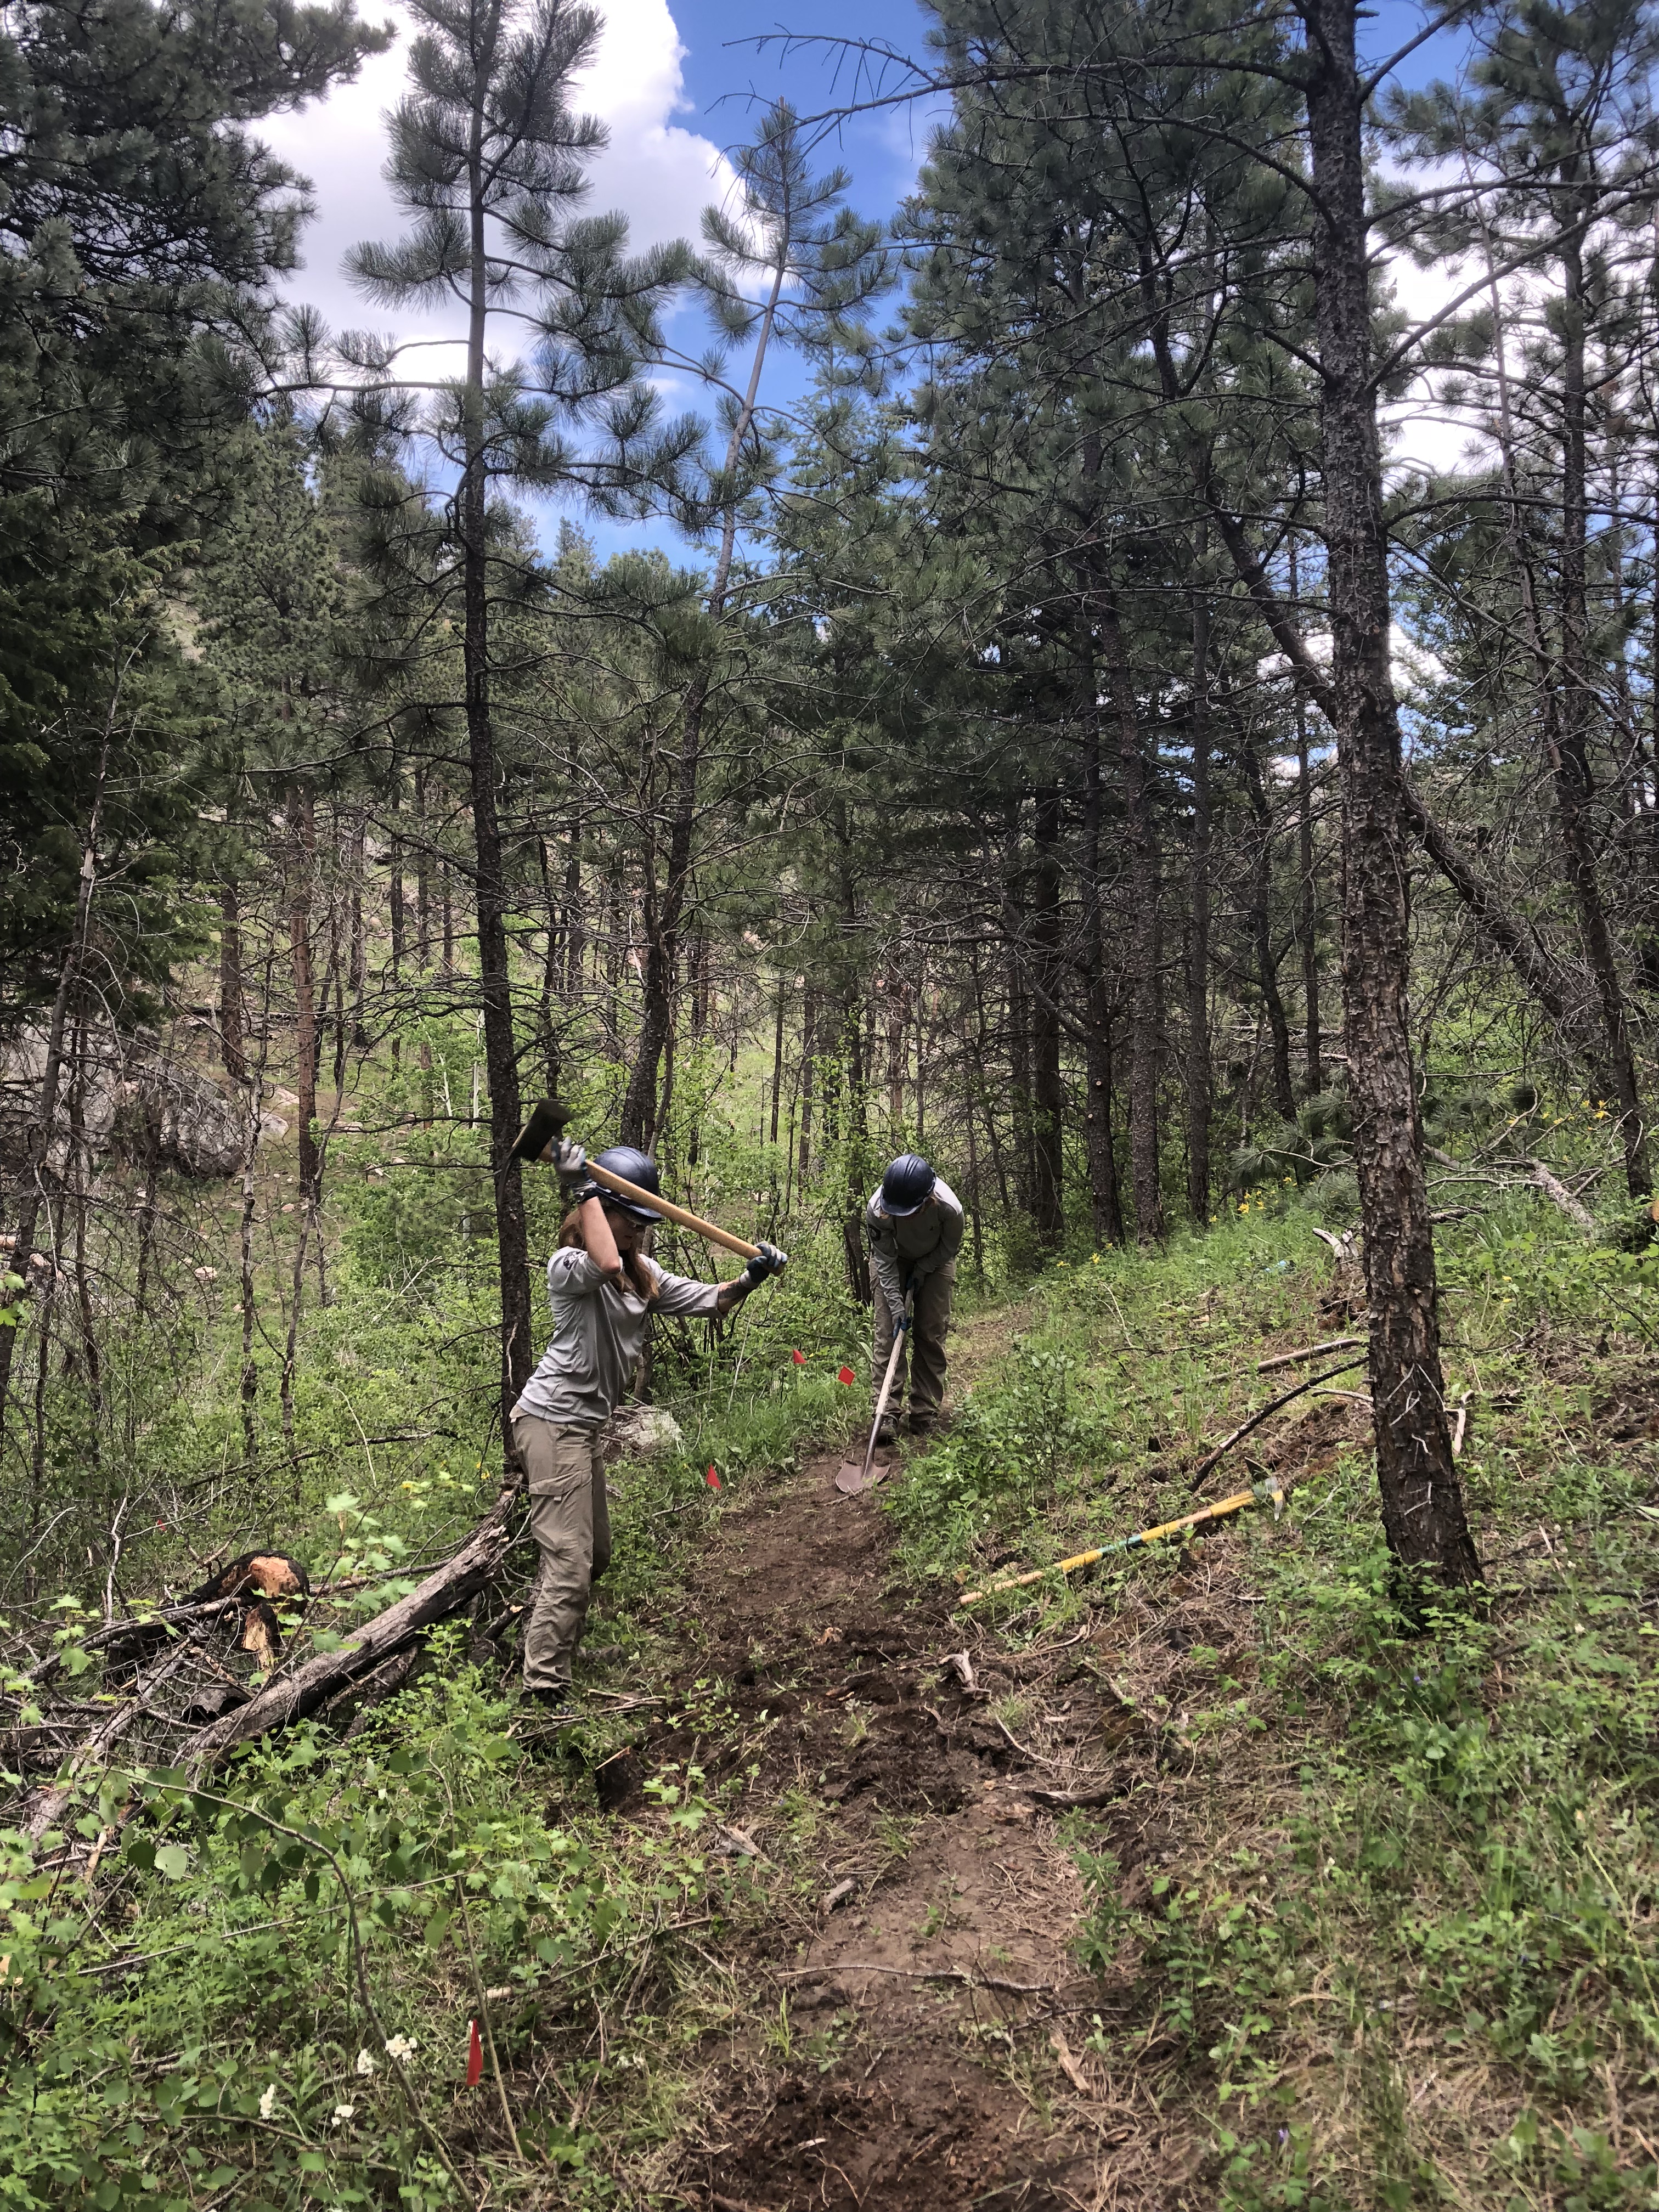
(914, 1225)
(603, 1289)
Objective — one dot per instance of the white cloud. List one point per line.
(1413, 666)
(657, 173)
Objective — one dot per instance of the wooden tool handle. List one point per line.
(641, 1196)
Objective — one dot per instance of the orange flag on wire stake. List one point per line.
(712, 1479)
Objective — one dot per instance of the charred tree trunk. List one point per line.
(423, 875)
(1306, 903)
(1570, 764)
(1422, 1503)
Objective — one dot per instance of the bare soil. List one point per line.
(936, 1953)
(920, 2019)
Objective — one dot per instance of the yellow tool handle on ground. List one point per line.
(1272, 1492)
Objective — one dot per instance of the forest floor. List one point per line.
(939, 1942)
(917, 2032)
(1202, 1879)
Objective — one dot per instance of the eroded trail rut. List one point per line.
(912, 1988)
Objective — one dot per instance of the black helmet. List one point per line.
(633, 1166)
(908, 1185)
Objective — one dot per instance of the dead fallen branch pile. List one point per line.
(184, 1684)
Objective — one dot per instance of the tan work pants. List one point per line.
(924, 1353)
(571, 1523)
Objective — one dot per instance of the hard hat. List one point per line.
(633, 1166)
(907, 1186)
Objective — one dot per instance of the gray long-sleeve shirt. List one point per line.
(599, 1333)
(917, 1243)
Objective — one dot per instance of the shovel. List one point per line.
(850, 1480)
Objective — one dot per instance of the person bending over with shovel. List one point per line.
(603, 1289)
(914, 1226)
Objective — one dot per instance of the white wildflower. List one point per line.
(365, 2064)
(343, 2113)
(268, 2102)
(400, 2047)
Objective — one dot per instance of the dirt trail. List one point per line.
(933, 1960)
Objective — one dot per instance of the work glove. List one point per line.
(570, 1164)
(769, 1261)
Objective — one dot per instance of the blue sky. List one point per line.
(678, 82)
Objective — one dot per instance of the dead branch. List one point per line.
(1308, 1352)
(291, 1698)
(1311, 1382)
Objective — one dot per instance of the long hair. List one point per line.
(638, 1270)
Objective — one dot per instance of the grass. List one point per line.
(1370, 1925)
(1398, 1947)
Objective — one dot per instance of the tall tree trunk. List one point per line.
(1019, 1071)
(233, 1028)
(1566, 705)
(1422, 1503)
(302, 858)
(575, 946)
(397, 898)
(1144, 932)
(1105, 1197)
(1047, 1096)
(1570, 764)
(423, 874)
(808, 1083)
(552, 967)
(359, 939)
(494, 971)
(777, 1061)
(982, 1061)
(1261, 932)
(1306, 906)
(1197, 949)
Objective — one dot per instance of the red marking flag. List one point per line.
(474, 2056)
(845, 1375)
(712, 1479)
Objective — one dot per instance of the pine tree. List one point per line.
(489, 160)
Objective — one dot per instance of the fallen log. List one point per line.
(1557, 1192)
(445, 1590)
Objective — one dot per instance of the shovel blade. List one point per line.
(850, 1478)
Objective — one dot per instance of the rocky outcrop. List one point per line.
(127, 1096)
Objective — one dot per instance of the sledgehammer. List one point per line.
(548, 1121)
